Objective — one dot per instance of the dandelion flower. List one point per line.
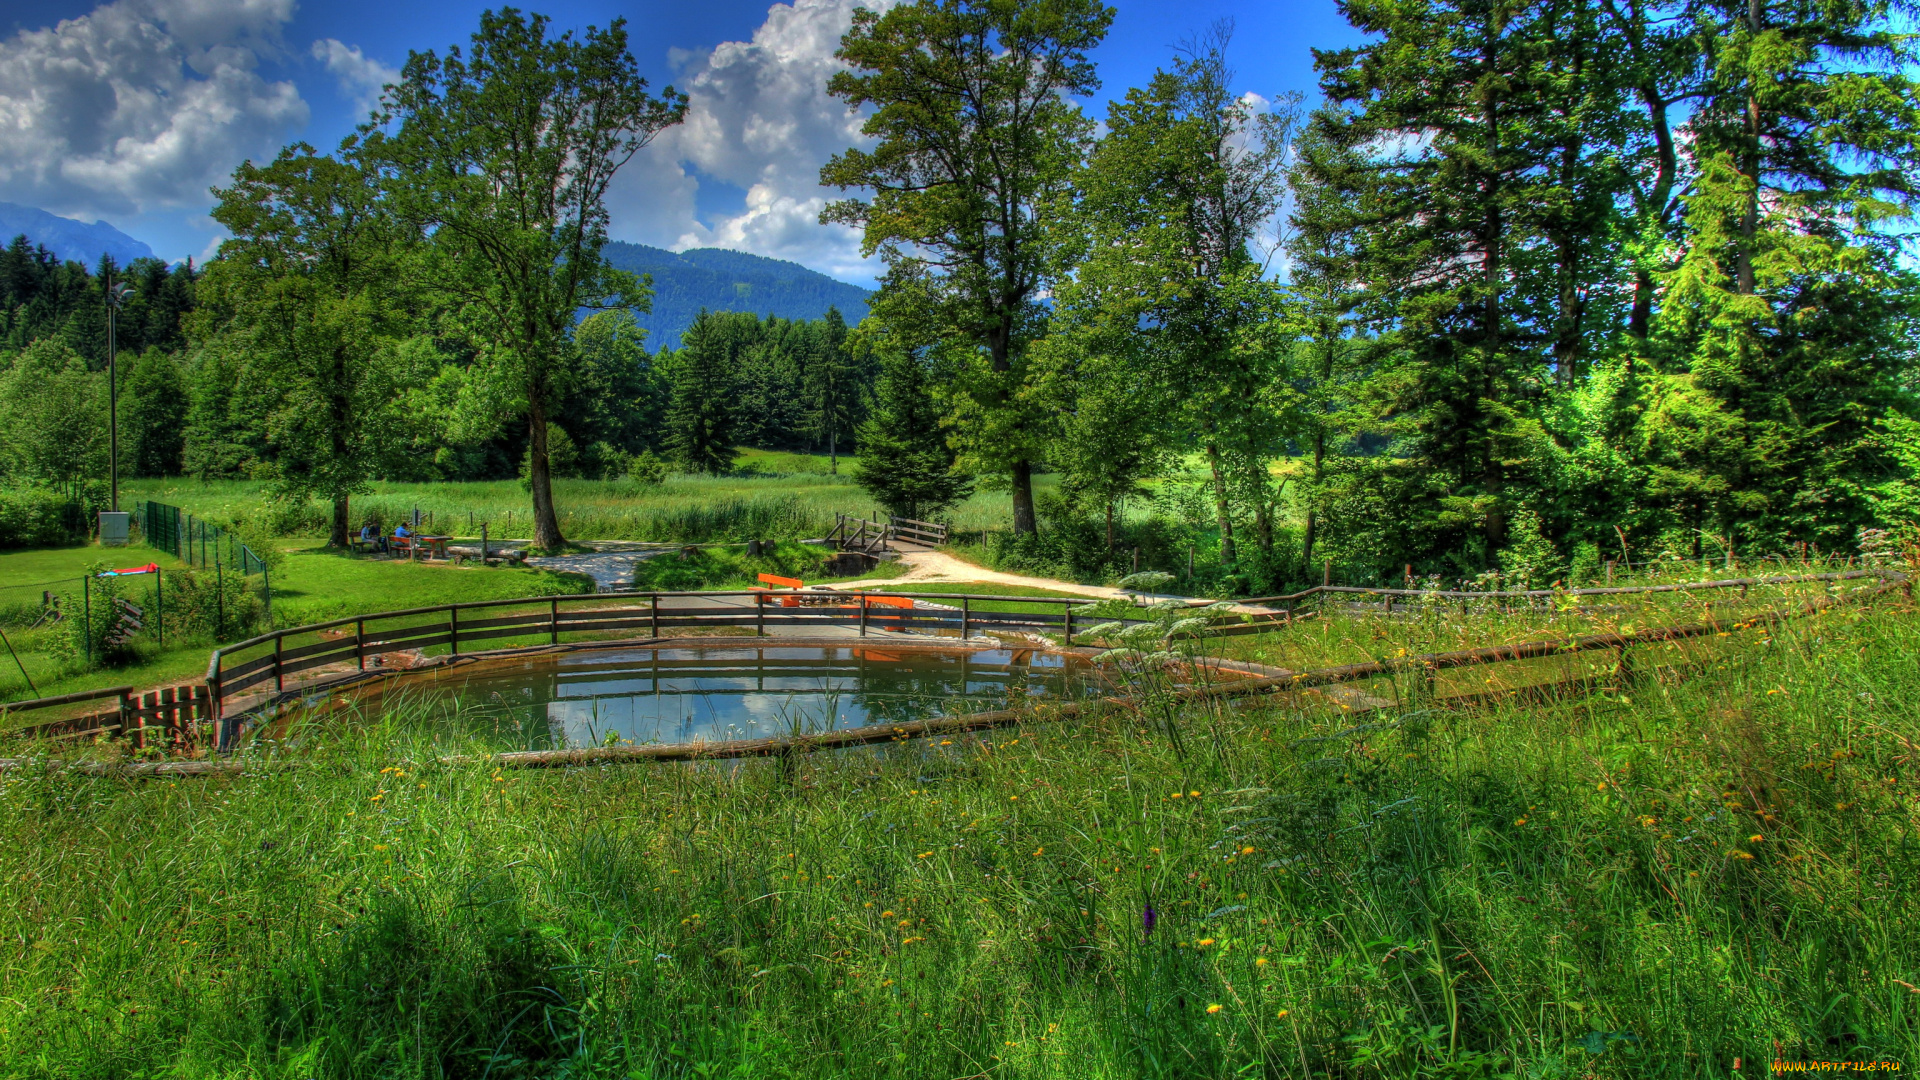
(923, 855)
(1038, 850)
(1755, 838)
(1193, 794)
(1206, 941)
(1262, 962)
(1282, 1014)
(1246, 850)
(1214, 1008)
(1013, 798)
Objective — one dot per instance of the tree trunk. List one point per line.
(338, 536)
(1312, 531)
(833, 454)
(1109, 526)
(1023, 519)
(1750, 221)
(1221, 515)
(546, 526)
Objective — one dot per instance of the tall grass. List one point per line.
(1653, 882)
(684, 509)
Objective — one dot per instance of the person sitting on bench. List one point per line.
(400, 533)
(370, 536)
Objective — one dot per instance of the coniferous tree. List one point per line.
(701, 426)
(905, 463)
(153, 415)
(833, 388)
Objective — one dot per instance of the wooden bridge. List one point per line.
(872, 536)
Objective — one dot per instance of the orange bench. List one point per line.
(784, 583)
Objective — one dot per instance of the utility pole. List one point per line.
(116, 295)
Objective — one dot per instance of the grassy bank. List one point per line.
(1643, 884)
(313, 585)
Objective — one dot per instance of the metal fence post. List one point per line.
(86, 614)
(159, 606)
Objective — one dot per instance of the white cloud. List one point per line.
(361, 77)
(759, 118)
(140, 104)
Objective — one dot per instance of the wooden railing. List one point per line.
(1318, 593)
(355, 644)
(175, 716)
(930, 533)
(858, 534)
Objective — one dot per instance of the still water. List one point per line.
(645, 695)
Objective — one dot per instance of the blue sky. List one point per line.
(133, 108)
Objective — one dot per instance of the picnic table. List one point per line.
(436, 546)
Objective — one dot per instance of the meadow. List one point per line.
(774, 496)
(1688, 875)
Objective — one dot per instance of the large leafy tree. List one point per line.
(976, 136)
(307, 284)
(1172, 206)
(503, 154)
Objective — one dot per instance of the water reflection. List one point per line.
(644, 695)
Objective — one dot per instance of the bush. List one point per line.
(726, 568)
(224, 606)
(90, 618)
(40, 517)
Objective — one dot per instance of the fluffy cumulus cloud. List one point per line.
(360, 76)
(759, 120)
(141, 104)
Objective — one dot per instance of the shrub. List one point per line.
(40, 517)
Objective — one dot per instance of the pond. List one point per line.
(679, 695)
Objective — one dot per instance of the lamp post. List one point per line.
(116, 295)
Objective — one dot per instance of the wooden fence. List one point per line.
(174, 718)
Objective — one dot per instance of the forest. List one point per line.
(1525, 287)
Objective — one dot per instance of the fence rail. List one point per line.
(348, 644)
(177, 716)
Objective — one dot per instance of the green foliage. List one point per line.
(976, 135)
(728, 567)
(647, 469)
(502, 153)
(37, 516)
(702, 422)
(905, 463)
(153, 414)
(56, 417)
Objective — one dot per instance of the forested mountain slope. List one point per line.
(719, 280)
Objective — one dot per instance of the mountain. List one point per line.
(721, 280)
(69, 239)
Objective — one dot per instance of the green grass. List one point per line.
(1649, 883)
(794, 504)
(313, 586)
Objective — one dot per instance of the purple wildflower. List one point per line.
(1148, 917)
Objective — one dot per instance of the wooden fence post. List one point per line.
(279, 677)
(653, 608)
(863, 615)
(1066, 608)
(966, 619)
(553, 621)
(453, 628)
(360, 644)
(759, 614)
